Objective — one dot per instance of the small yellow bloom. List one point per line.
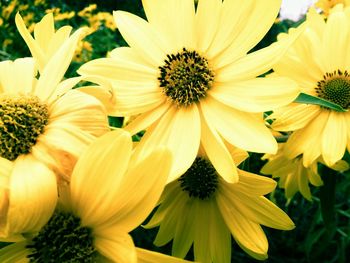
(63, 16)
(7, 10)
(327, 5)
(294, 176)
(86, 12)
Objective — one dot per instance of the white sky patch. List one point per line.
(295, 9)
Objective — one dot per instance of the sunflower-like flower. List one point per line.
(202, 209)
(44, 127)
(188, 75)
(110, 194)
(319, 63)
(293, 175)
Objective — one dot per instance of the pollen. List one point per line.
(185, 77)
(335, 87)
(22, 119)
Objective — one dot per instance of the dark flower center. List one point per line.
(335, 87)
(200, 180)
(22, 120)
(185, 77)
(63, 240)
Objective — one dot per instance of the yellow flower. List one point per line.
(294, 176)
(319, 63)
(327, 5)
(65, 15)
(47, 41)
(188, 74)
(202, 209)
(44, 125)
(110, 194)
(86, 12)
(7, 11)
(83, 52)
(107, 19)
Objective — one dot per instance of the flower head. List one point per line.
(293, 175)
(318, 62)
(202, 209)
(110, 194)
(188, 75)
(43, 129)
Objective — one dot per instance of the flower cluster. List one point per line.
(198, 98)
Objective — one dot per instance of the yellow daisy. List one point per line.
(294, 176)
(110, 194)
(327, 5)
(43, 122)
(319, 63)
(202, 209)
(188, 75)
(47, 41)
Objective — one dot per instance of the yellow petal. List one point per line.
(335, 41)
(9, 72)
(207, 22)
(334, 138)
(176, 125)
(246, 32)
(32, 197)
(34, 47)
(262, 211)
(147, 256)
(100, 169)
(57, 65)
(294, 117)
(217, 152)
(174, 20)
(144, 120)
(252, 184)
(256, 95)
(44, 31)
(248, 234)
(116, 246)
(16, 252)
(141, 37)
(239, 128)
(139, 191)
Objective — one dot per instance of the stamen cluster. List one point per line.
(200, 180)
(185, 77)
(22, 120)
(335, 87)
(63, 239)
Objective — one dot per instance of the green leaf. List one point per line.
(308, 99)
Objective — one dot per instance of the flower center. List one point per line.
(22, 119)
(63, 239)
(335, 87)
(185, 77)
(200, 180)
